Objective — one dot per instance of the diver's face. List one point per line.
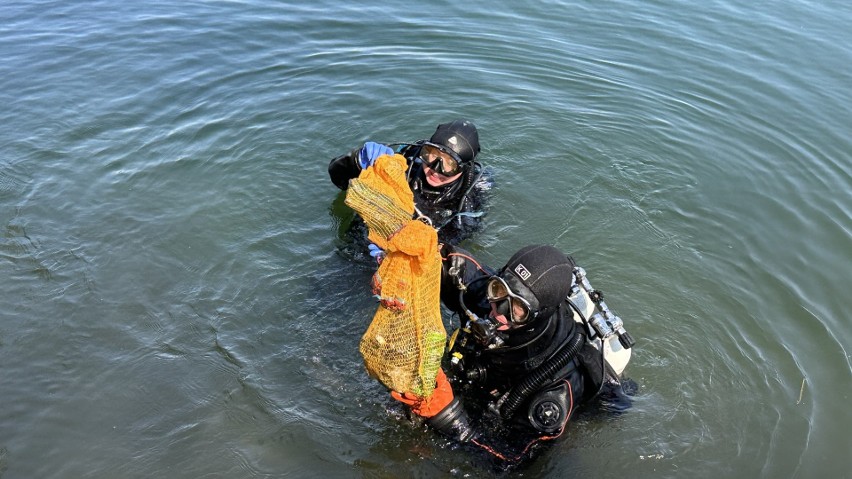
(439, 166)
(436, 179)
(508, 307)
(505, 324)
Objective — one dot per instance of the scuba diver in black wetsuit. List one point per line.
(535, 341)
(448, 184)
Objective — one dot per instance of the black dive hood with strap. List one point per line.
(460, 136)
(462, 139)
(543, 276)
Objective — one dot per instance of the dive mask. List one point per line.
(440, 159)
(511, 305)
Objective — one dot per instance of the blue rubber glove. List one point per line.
(377, 253)
(370, 151)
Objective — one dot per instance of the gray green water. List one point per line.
(174, 302)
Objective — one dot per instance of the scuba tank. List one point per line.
(591, 311)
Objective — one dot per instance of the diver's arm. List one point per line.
(344, 168)
(453, 422)
(441, 409)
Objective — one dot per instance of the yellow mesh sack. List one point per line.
(404, 343)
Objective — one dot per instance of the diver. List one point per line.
(535, 342)
(448, 184)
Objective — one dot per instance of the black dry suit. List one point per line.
(527, 379)
(455, 209)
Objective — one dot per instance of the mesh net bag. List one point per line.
(404, 343)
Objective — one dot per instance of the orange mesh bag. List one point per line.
(404, 343)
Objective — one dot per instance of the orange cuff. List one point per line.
(432, 405)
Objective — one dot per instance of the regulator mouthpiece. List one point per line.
(486, 334)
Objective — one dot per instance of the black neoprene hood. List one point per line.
(545, 271)
(460, 136)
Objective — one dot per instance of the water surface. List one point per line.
(176, 300)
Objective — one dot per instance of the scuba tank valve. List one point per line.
(604, 323)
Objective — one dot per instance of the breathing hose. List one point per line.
(470, 179)
(543, 373)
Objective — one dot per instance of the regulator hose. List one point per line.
(537, 378)
(471, 176)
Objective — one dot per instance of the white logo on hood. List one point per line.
(522, 271)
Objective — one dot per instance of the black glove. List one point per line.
(452, 422)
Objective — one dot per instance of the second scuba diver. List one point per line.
(535, 342)
(448, 184)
